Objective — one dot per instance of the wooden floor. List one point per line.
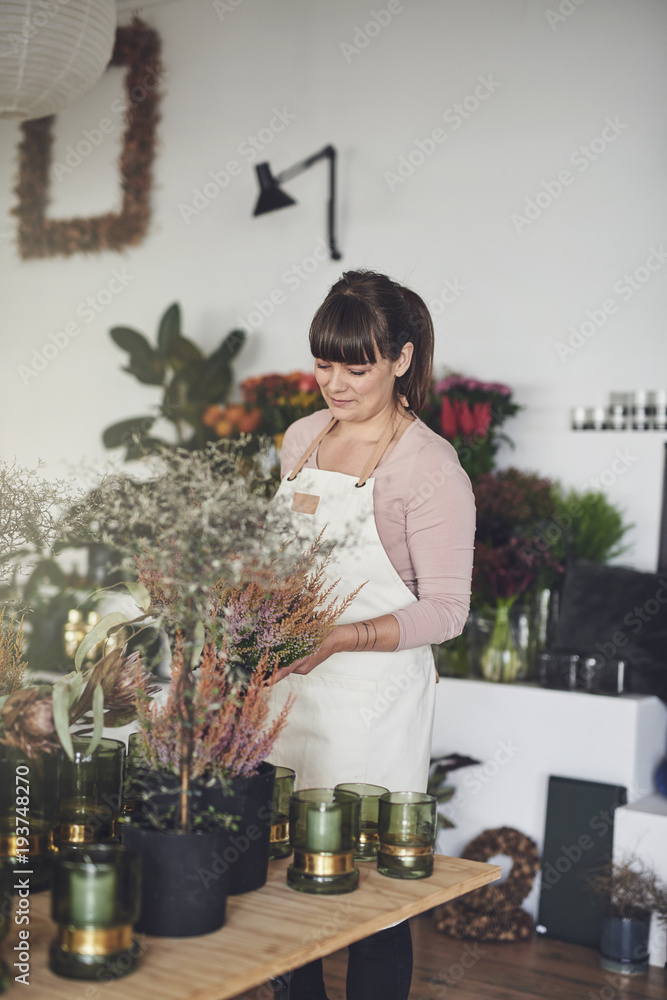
(542, 969)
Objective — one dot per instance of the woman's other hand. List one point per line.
(331, 645)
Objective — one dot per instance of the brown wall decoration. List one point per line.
(137, 47)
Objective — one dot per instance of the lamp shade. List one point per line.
(51, 53)
(271, 196)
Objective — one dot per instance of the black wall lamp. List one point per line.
(271, 195)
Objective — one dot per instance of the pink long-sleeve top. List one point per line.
(425, 517)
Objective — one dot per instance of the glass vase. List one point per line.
(406, 829)
(29, 794)
(367, 845)
(324, 829)
(453, 658)
(90, 794)
(503, 643)
(283, 790)
(95, 902)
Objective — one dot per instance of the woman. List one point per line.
(391, 495)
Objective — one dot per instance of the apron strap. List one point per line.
(310, 449)
(377, 454)
(371, 464)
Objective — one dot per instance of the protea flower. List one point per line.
(119, 676)
(26, 721)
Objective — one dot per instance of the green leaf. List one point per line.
(121, 433)
(170, 327)
(233, 343)
(96, 634)
(98, 720)
(444, 823)
(148, 371)
(131, 341)
(3, 700)
(139, 593)
(184, 352)
(65, 694)
(198, 643)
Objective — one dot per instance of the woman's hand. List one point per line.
(378, 634)
(331, 645)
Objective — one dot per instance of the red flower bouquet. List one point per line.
(470, 413)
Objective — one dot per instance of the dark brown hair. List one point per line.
(364, 311)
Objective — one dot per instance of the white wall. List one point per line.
(555, 84)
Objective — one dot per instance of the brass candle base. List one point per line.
(66, 834)
(280, 846)
(323, 874)
(279, 833)
(37, 843)
(94, 940)
(405, 860)
(94, 952)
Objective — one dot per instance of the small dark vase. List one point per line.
(184, 882)
(247, 853)
(624, 945)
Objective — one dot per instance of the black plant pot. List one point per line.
(184, 884)
(624, 945)
(247, 852)
(157, 797)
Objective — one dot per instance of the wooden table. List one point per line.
(267, 932)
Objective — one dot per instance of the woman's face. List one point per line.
(360, 392)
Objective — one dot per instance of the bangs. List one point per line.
(342, 331)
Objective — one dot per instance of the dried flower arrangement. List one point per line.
(628, 887)
(201, 532)
(12, 664)
(286, 614)
(232, 733)
(137, 47)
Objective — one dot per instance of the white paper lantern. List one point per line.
(51, 52)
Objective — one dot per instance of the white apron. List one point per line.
(358, 716)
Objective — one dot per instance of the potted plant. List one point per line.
(37, 721)
(191, 384)
(628, 889)
(196, 528)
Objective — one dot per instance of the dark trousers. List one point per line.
(378, 968)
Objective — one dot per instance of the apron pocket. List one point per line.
(327, 738)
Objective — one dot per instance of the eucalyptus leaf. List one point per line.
(3, 699)
(98, 720)
(97, 634)
(60, 699)
(139, 593)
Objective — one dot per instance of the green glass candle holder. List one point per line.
(324, 829)
(6, 913)
(406, 829)
(95, 903)
(283, 790)
(367, 845)
(29, 795)
(90, 794)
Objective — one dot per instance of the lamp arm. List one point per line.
(329, 153)
(291, 172)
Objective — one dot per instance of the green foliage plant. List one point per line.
(191, 382)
